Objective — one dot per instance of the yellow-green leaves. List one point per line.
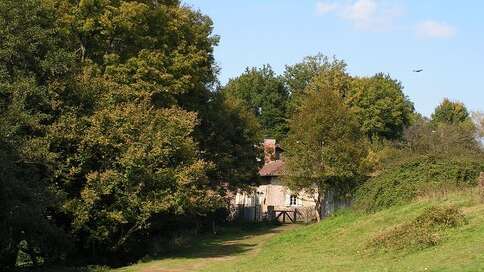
(109, 104)
(450, 112)
(139, 162)
(382, 108)
(325, 146)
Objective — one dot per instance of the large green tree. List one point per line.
(231, 134)
(450, 112)
(325, 146)
(144, 150)
(382, 108)
(298, 76)
(145, 69)
(265, 95)
(116, 102)
(132, 163)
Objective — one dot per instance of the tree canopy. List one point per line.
(298, 76)
(450, 112)
(325, 146)
(110, 123)
(265, 95)
(381, 106)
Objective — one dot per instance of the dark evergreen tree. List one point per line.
(265, 95)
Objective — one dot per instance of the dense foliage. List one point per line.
(425, 137)
(264, 94)
(298, 76)
(415, 176)
(382, 108)
(450, 112)
(379, 103)
(24, 196)
(110, 127)
(432, 156)
(325, 145)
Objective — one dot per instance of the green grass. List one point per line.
(340, 243)
(230, 246)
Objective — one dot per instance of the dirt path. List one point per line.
(228, 248)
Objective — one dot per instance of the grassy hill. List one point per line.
(341, 243)
(348, 241)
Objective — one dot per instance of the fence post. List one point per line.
(240, 212)
(255, 213)
(270, 213)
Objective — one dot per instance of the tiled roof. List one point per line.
(272, 169)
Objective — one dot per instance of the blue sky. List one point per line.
(443, 37)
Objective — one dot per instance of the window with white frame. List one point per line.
(293, 200)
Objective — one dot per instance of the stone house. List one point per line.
(272, 193)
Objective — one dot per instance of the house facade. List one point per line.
(271, 193)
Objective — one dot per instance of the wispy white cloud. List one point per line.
(367, 15)
(362, 13)
(325, 7)
(434, 29)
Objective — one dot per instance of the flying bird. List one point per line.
(418, 70)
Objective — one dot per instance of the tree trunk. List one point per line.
(83, 52)
(320, 203)
(124, 238)
(214, 228)
(318, 210)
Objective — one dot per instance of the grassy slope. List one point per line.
(338, 244)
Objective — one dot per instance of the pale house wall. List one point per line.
(274, 194)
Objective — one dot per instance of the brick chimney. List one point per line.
(269, 150)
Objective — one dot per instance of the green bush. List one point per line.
(424, 231)
(404, 181)
(440, 217)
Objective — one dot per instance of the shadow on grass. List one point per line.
(229, 241)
